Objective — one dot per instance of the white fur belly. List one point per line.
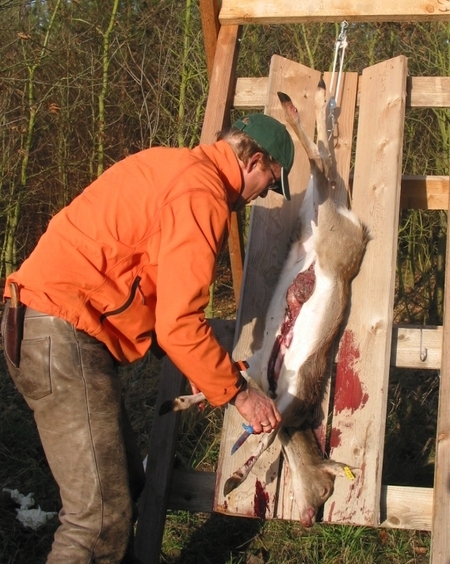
(307, 334)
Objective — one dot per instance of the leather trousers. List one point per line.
(71, 382)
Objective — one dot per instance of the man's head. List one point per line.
(273, 138)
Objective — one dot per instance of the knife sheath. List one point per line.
(14, 326)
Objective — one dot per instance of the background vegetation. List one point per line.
(86, 83)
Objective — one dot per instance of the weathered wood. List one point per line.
(209, 11)
(192, 490)
(161, 453)
(362, 375)
(416, 347)
(428, 92)
(406, 508)
(424, 192)
(222, 84)
(237, 254)
(422, 92)
(440, 545)
(300, 83)
(272, 220)
(217, 116)
(292, 11)
(153, 503)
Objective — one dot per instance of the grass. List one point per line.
(217, 539)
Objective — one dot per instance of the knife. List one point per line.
(248, 430)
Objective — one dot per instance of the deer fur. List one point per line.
(303, 319)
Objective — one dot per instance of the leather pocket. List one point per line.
(33, 378)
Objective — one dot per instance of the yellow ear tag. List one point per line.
(349, 473)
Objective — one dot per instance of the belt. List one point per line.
(13, 327)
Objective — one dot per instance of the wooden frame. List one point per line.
(389, 506)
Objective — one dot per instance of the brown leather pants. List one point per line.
(70, 381)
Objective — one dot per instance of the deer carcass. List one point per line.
(302, 321)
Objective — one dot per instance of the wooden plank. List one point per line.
(416, 347)
(217, 116)
(428, 92)
(222, 84)
(422, 92)
(272, 220)
(153, 503)
(292, 11)
(192, 490)
(342, 148)
(424, 192)
(161, 453)
(440, 545)
(209, 12)
(406, 508)
(362, 375)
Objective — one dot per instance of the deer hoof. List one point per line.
(166, 407)
(231, 484)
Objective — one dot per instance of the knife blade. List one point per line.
(248, 430)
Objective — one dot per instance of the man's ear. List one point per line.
(253, 161)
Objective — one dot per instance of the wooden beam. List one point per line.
(217, 116)
(440, 544)
(271, 224)
(416, 347)
(422, 92)
(209, 11)
(405, 507)
(293, 11)
(424, 192)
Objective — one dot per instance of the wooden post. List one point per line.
(209, 10)
(440, 543)
(217, 116)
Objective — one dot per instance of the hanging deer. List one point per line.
(302, 320)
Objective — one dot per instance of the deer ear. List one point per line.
(339, 469)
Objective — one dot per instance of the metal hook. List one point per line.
(423, 350)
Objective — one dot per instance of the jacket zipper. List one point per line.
(134, 288)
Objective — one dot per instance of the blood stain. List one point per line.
(261, 500)
(349, 393)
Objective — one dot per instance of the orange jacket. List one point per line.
(135, 253)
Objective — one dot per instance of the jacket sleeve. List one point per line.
(193, 227)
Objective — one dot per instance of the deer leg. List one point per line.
(293, 119)
(181, 403)
(241, 473)
(320, 101)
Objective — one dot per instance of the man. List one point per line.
(125, 268)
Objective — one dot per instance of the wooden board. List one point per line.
(440, 545)
(422, 92)
(416, 347)
(404, 507)
(342, 148)
(362, 376)
(272, 222)
(293, 11)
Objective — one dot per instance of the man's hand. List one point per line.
(258, 409)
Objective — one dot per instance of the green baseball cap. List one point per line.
(274, 138)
